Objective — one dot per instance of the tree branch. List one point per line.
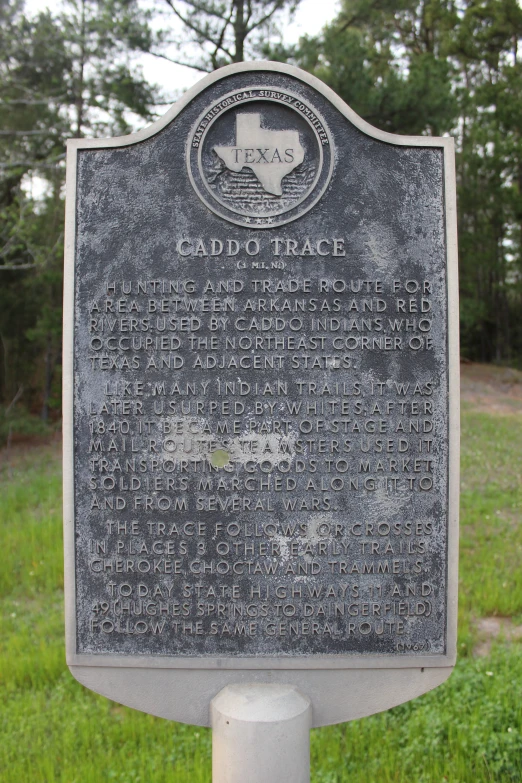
(278, 5)
(353, 19)
(16, 267)
(206, 36)
(204, 9)
(33, 164)
(14, 400)
(248, 13)
(26, 133)
(179, 62)
(26, 102)
(219, 45)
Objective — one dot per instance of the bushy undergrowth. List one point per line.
(19, 422)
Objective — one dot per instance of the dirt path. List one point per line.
(491, 389)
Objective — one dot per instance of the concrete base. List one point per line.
(260, 734)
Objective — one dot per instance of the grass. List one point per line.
(468, 730)
(491, 515)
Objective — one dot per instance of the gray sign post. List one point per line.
(261, 423)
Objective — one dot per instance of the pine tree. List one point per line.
(441, 67)
(61, 75)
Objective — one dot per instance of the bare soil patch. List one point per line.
(491, 628)
(22, 454)
(490, 389)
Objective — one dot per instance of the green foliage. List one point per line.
(438, 67)
(367, 79)
(469, 730)
(17, 421)
(62, 74)
(407, 66)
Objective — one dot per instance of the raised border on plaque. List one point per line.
(323, 662)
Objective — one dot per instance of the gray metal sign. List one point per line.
(261, 403)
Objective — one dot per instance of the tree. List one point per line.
(60, 76)
(408, 66)
(214, 32)
(439, 67)
(72, 73)
(490, 178)
(388, 61)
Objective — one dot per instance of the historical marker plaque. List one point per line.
(262, 425)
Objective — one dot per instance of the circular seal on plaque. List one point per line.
(260, 157)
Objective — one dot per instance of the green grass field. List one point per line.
(467, 731)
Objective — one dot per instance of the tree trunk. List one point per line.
(49, 371)
(81, 69)
(239, 31)
(5, 351)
